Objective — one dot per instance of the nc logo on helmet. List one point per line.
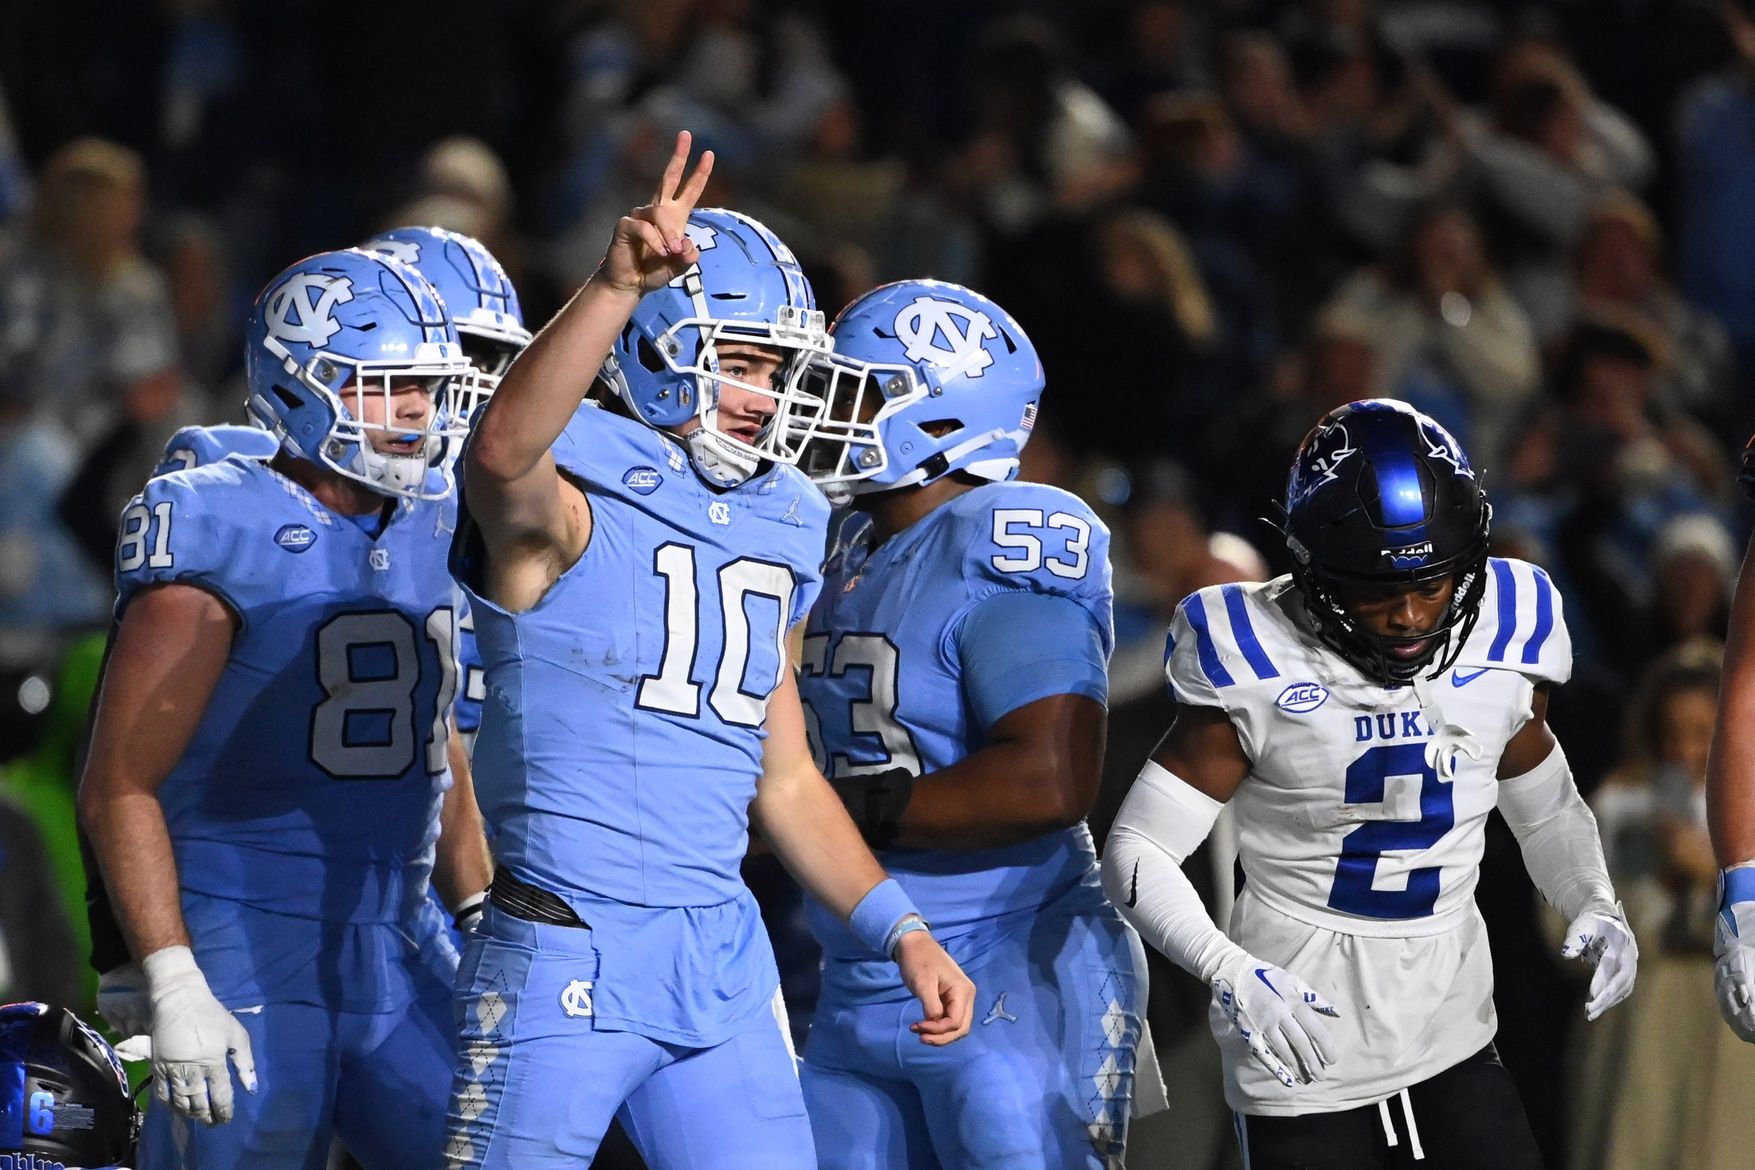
(923, 324)
(406, 251)
(303, 309)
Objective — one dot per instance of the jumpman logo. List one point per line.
(998, 1012)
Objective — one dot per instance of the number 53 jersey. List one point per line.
(312, 784)
(1361, 823)
(890, 679)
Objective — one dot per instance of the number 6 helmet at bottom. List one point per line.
(926, 378)
(64, 1100)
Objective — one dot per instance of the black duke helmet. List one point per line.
(64, 1100)
(1382, 497)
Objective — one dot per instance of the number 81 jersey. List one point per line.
(312, 783)
(1365, 808)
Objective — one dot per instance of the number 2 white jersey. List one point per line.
(1361, 824)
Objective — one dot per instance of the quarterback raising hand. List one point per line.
(650, 248)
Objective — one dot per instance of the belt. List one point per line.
(520, 899)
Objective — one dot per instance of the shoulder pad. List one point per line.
(1035, 538)
(199, 446)
(1214, 646)
(1522, 626)
(174, 530)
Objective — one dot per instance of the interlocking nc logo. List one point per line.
(576, 999)
(719, 512)
(303, 309)
(924, 323)
(406, 251)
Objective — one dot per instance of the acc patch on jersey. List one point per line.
(644, 480)
(295, 538)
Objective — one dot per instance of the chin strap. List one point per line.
(717, 459)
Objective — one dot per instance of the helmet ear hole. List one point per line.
(287, 398)
(649, 357)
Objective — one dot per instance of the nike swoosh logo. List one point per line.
(1133, 887)
(1261, 974)
(1459, 679)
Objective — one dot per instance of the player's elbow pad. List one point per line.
(1161, 822)
(1558, 835)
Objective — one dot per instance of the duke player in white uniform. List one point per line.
(1363, 716)
(956, 677)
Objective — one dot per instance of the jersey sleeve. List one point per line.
(1015, 648)
(1214, 652)
(1522, 624)
(1028, 538)
(169, 534)
(813, 515)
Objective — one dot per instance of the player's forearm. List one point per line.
(1730, 769)
(462, 865)
(1558, 836)
(1160, 823)
(545, 385)
(810, 832)
(133, 848)
(1001, 795)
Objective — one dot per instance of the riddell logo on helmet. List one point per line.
(29, 1162)
(1409, 556)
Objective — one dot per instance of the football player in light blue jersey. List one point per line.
(490, 322)
(955, 681)
(634, 563)
(270, 757)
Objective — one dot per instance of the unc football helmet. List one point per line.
(340, 322)
(926, 378)
(1381, 496)
(477, 293)
(746, 288)
(64, 1100)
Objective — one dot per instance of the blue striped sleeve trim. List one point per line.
(1246, 639)
(1203, 643)
(1532, 650)
(1507, 586)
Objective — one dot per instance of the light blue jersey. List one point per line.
(994, 600)
(621, 741)
(622, 728)
(328, 724)
(304, 811)
(885, 685)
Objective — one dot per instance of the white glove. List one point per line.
(192, 1035)
(1602, 938)
(123, 1001)
(1733, 976)
(1280, 1016)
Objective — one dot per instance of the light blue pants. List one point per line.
(537, 1085)
(1043, 1081)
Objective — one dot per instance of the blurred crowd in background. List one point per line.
(1535, 221)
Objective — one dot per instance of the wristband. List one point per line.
(468, 912)
(876, 802)
(1736, 884)
(907, 926)
(882, 909)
